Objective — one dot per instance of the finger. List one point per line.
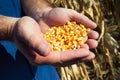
(93, 34)
(73, 55)
(92, 43)
(63, 57)
(89, 57)
(40, 45)
(75, 60)
(80, 18)
(44, 27)
(84, 46)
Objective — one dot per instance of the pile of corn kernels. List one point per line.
(67, 37)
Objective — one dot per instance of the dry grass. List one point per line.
(106, 65)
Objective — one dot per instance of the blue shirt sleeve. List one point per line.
(13, 65)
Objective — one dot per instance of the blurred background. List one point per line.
(106, 65)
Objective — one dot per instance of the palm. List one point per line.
(57, 16)
(60, 16)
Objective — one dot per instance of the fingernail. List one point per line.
(44, 49)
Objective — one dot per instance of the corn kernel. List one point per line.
(67, 37)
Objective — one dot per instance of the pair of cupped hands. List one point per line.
(27, 33)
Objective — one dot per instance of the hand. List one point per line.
(29, 38)
(60, 16)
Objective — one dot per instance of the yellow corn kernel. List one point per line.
(67, 37)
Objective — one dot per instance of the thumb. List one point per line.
(28, 32)
(37, 41)
(80, 18)
(40, 45)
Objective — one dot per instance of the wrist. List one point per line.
(6, 31)
(10, 28)
(6, 27)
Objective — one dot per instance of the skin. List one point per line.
(27, 32)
